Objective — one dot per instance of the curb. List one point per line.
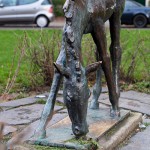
(120, 132)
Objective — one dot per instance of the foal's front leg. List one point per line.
(47, 113)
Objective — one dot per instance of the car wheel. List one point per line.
(42, 21)
(140, 21)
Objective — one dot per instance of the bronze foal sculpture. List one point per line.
(82, 17)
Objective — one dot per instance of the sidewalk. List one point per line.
(24, 114)
(57, 23)
(60, 21)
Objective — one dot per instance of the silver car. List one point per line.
(39, 12)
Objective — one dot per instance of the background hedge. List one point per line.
(58, 5)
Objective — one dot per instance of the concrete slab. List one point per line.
(137, 96)
(99, 122)
(131, 105)
(141, 141)
(23, 114)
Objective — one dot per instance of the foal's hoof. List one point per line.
(94, 105)
(39, 134)
(114, 113)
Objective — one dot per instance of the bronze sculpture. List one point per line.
(82, 17)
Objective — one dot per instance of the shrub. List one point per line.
(58, 5)
(41, 54)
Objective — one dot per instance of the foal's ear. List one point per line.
(63, 71)
(92, 67)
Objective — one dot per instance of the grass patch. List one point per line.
(13, 44)
(41, 101)
(136, 54)
(47, 148)
(135, 64)
(79, 142)
(147, 124)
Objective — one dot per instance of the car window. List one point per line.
(8, 3)
(130, 4)
(25, 2)
(46, 2)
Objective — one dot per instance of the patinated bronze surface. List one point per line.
(82, 17)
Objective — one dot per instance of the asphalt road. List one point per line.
(58, 23)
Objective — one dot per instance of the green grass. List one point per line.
(12, 43)
(48, 148)
(135, 43)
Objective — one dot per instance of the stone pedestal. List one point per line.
(99, 121)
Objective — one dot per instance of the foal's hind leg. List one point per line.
(97, 87)
(115, 49)
(99, 37)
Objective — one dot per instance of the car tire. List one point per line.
(140, 21)
(42, 21)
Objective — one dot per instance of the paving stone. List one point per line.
(33, 99)
(19, 147)
(19, 102)
(146, 121)
(141, 141)
(23, 101)
(9, 129)
(28, 132)
(60, 92)
(63, 111)
(137, 96)
(103, 96)
(136, 147)
(23, 114)
(104, 90)
(60, 99)
(131, 105)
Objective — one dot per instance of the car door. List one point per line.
(7, 10)
(26, 10)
